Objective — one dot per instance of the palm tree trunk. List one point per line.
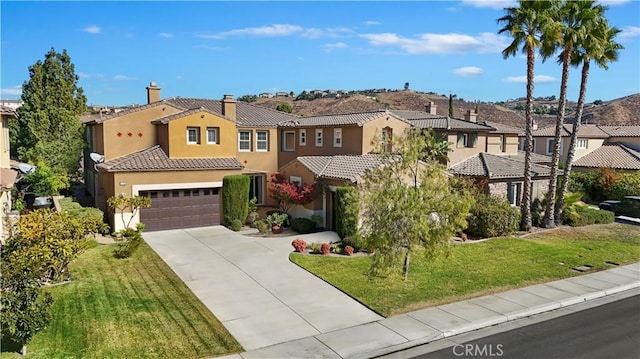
(549, 218)
(574, 140)
(525, 203)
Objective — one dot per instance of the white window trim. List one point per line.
(284, 141)
(214, 129)
(586, 144)
(266, 141)
(465, 142)
(549, 140)
(296, 179)
(197, 141)
(303, 137)
(321, 138)
(337, 135)
(239, 141)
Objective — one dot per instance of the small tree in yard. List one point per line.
(410, 203)
(289, 193)
(120, 203)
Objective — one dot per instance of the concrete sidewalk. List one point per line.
(416, 328)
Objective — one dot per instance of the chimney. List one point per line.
(153, 93)
(431, 108)
(470, 116)
(229, 107)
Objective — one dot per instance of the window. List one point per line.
(387, 136)
(319, 137)
(256, 188)
(550, 144)
(513, 193)
(244, 141)
(262, 141)
(503, 145)
(288, 141)
(467, 140)
(581, 144)
(337, 137)
(296, 180)
(212, 135)
(521, 144)
(303, 137)
(193, 135)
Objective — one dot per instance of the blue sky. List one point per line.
(207, 49)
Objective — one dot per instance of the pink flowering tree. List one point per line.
(289, 193)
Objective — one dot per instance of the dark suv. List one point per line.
(629, 206)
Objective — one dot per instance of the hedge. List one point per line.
(235, 198)
(74, 209)
(347, 207)
(578, 215)
(303, 225)
(492, 216)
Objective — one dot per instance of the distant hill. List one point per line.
(615, 112)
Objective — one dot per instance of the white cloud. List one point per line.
(11, 91)
(123, 78)
(166, 35)
(630, 31)
(333, 32)
(613, 2)
(92, 29)
(371, 22)
(539, 79)
(84, 75)
(468, 71)
(265, 31)
(337, 45)
(493, 4)
(485, 42)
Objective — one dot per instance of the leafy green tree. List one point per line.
(285, 107)
(46, 181)
(121, 203)
(410, 203)
(526, 24)
(598, 102)
(48, 126)
(576, 20)
(601, 47)
(248, 98)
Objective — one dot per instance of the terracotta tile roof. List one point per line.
(535, 157)
(621, 131)
(497, 167)
(426, 120)
(612, 155)
(166, 119)
(8, 111)
(347, 119)
(500, 128)
(247, 115)
(155, 159)
(414, 115)
(585, 131)
(343, 167)
(100, 119)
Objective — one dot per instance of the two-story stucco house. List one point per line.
(590, 137)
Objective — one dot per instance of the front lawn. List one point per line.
(127, 308)
(477, 269)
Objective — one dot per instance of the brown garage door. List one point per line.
(181, 208)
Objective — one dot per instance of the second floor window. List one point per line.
(288, 141)
(262, 141)
(467, 140)
(193, 135)
(212, 135)
(337, 137)
(319, 137)
(582, 143)
(550, 144)
(503, 145)
(244, 141)
(303, 137)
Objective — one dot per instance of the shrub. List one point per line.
(252, 217)
(325, 248)
(277, 219)
(130, 239)
(317, 219)
(262, 226)
(626, 184)
(299, 245)
(492, 216)
(235, 191)
(303, 225)
(236, 225)
(347, 208)
(316, 248)
(348, 250)
(74, 209)
(356, 241)
(578, 215)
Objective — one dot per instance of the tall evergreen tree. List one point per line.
(526, 24)
(48, 127)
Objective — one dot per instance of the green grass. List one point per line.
(127, 308)
(477, 269)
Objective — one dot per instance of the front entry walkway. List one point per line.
(250, 285)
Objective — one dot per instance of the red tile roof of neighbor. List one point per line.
(347, 119)
(345, 167)
(497, 166)
(155, 159)
(621, 131)
(612, 155)
(590, 131)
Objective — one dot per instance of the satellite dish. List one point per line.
(26, 168)
(96, 157)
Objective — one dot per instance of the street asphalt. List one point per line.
(277, 310)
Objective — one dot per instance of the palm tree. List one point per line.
(526, 24)
(577, 18)
(600, 47)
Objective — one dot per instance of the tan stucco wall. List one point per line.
(493, 143)
(460, 154)
(541, 147)
(177, 132)
(259, 161)
(374, 128)
(136, 123)
(351, 143)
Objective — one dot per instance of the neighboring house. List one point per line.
(627, 135)
(177, 151)
(11, 104)
(7, 175)
(610, 155)
(590, 137)
(265, 95)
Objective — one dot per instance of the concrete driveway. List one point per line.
(249, 284)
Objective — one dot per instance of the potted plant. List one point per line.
(276, 221)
